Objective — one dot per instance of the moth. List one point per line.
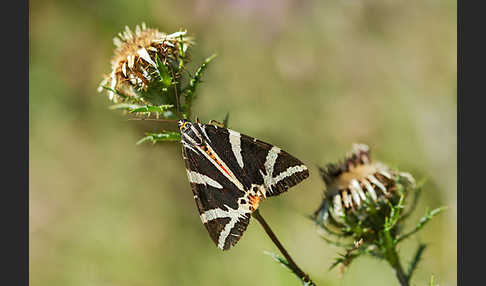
(230, 174)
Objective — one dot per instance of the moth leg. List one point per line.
(216, 123)
(262, 195)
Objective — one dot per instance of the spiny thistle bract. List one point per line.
(148, 73)
(364, 203)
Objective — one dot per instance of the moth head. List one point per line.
(190, 132)
(184, 125)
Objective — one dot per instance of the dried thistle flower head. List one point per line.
(364, 202)
(356, 184)
(145, 64)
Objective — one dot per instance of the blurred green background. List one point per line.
(312, 77)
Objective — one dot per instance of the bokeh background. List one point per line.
(312, 77)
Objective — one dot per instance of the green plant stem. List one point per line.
(416, 259)
(391, 256)
(293, 266)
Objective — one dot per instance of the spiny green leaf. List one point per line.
(124, 106)
(190, 90)
(394, 215)
(335, 243)
(286, 265)
(114, 91)
(165, 77)
(417, 191)
(170, 136)
(181, 52)
(337, 261)
(345, 259)
(181, 46)
(193, 83)
(279, 259)
(329, 231)
(152, 108)
(426, 218)
(437, 211)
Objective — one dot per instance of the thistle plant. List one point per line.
(365, 204)
(365, 208)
